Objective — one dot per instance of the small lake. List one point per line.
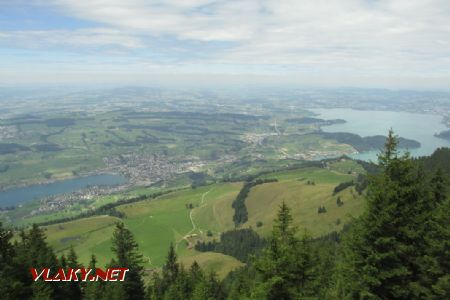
(17, 196)
(419, 127)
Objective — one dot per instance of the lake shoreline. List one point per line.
(14, 197)
(420, 127)
(5, 188)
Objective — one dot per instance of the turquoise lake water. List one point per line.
(419, 127)
(17, 196)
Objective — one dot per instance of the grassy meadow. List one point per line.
(304, 199)
(154, 223)
(186, 216)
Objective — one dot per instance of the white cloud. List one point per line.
(321, 36)
(89, 38)
(198, 20)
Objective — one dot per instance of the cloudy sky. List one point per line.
(374, 43)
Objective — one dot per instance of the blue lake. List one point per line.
(16, 196)
(419, 127)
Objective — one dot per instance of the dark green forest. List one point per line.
(398, 249)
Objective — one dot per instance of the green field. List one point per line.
(169, 219)
(304, 199)
(22, 216)
(155, 224)
(346, 166)
(86, 235)
(210, 261)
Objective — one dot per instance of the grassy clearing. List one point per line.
(154, 223)
(346, 166)
(210, 261)
(158, 223)
(317, 175)
(304, 199)
(85, 235)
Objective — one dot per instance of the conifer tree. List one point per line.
(11, 285)
(63, 261)
(175, 282)
(171, 267)
(128, 256)
(181, 288)
(241, 283)
(439, 187)
(286, 265)
(154, 289)
(93, 290)
(195, 273)
(209, 289)
(34, 252)
(437, 262)
(383, 253)
(73, 290)
(441, 252)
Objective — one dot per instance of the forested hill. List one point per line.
(444, 135)
(367, 143)
(440, 159)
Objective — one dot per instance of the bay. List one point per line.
(419, 127)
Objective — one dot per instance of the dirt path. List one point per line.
(194, 226)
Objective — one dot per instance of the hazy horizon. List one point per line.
(352, 43)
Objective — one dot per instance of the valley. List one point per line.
(182, 164)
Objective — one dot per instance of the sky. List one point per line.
(361, 43)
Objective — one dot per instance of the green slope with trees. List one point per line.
(397, 249)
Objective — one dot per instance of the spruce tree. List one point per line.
(155, 289)
(441, 252)
(73, 290)
(128, 256)
(175, 282)
(209, 288)
(439, 187)
(34, 252)
(195, 273)
(383, 253)
(438, 263)
(11, 285)
(240, 284)
(94, 289)
(286, 265)
(181, 288)
(171, 267)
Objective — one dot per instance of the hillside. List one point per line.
(440, 159)
(304, 199)
(444, 135)
(187, 216)
(366, 143)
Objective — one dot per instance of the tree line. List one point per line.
(239, 243)
(106, 209)
(240, 210)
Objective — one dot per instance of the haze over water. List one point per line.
(419, 127)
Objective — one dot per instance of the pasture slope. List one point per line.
(304, 199)
(186, 216)
(155, 224)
